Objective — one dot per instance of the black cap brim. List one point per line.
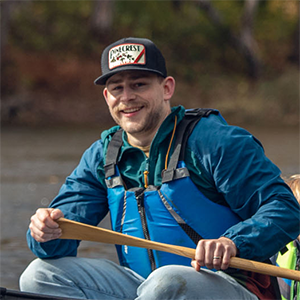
(101, 80)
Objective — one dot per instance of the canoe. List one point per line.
(17, 295)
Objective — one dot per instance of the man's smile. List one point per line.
(131, 110)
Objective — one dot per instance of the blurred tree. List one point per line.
(176, 4)
(295, 53)
(8, 10)
(51, 43)
(243, 42)
(246, 41)
(223, 27)
(6, 7)
(102, 19)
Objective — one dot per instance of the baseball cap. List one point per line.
(131, 54)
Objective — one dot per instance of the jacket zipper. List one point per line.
(139, 195)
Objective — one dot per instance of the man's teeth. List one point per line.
(130, 110)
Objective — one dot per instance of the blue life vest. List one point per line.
(174, 213)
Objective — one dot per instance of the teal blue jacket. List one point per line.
(226, 163)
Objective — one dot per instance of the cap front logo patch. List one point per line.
(126, 54)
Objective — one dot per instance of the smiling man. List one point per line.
(167, 174)
(139, 102)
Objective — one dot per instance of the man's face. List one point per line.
(139, 101)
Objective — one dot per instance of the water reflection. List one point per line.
(35, 163)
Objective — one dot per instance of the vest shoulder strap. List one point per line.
(185, 128)
(112, 154)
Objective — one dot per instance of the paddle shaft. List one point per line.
(79, 231)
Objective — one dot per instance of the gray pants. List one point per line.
(101, 279)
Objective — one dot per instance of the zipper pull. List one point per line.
(146, 178)
(146, 172)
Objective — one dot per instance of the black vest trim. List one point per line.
(184, 129)
(112, 154)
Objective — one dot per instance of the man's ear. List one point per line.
(105, 91)
(169, 87)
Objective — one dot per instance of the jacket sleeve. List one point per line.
(82, 198)
(251, 185)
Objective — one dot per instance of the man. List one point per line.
(184, 178)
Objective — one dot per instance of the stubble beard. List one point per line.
(151, 123)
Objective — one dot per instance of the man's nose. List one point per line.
(127, 94)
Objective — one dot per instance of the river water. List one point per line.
(35, 162)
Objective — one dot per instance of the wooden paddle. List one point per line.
(79, 231)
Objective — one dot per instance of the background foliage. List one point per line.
(51, 54)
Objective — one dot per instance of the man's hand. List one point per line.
(214, 254)
(43, 226)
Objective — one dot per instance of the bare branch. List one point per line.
(244, 42)
(212, 13)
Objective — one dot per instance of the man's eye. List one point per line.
(116, 88)
(140, 84)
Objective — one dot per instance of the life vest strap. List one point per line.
(178, 173)
(184, 129)
(112, 154)
(193, 235)
(113, 182)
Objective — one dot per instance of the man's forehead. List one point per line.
(129, 75)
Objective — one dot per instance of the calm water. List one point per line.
(34, 164)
